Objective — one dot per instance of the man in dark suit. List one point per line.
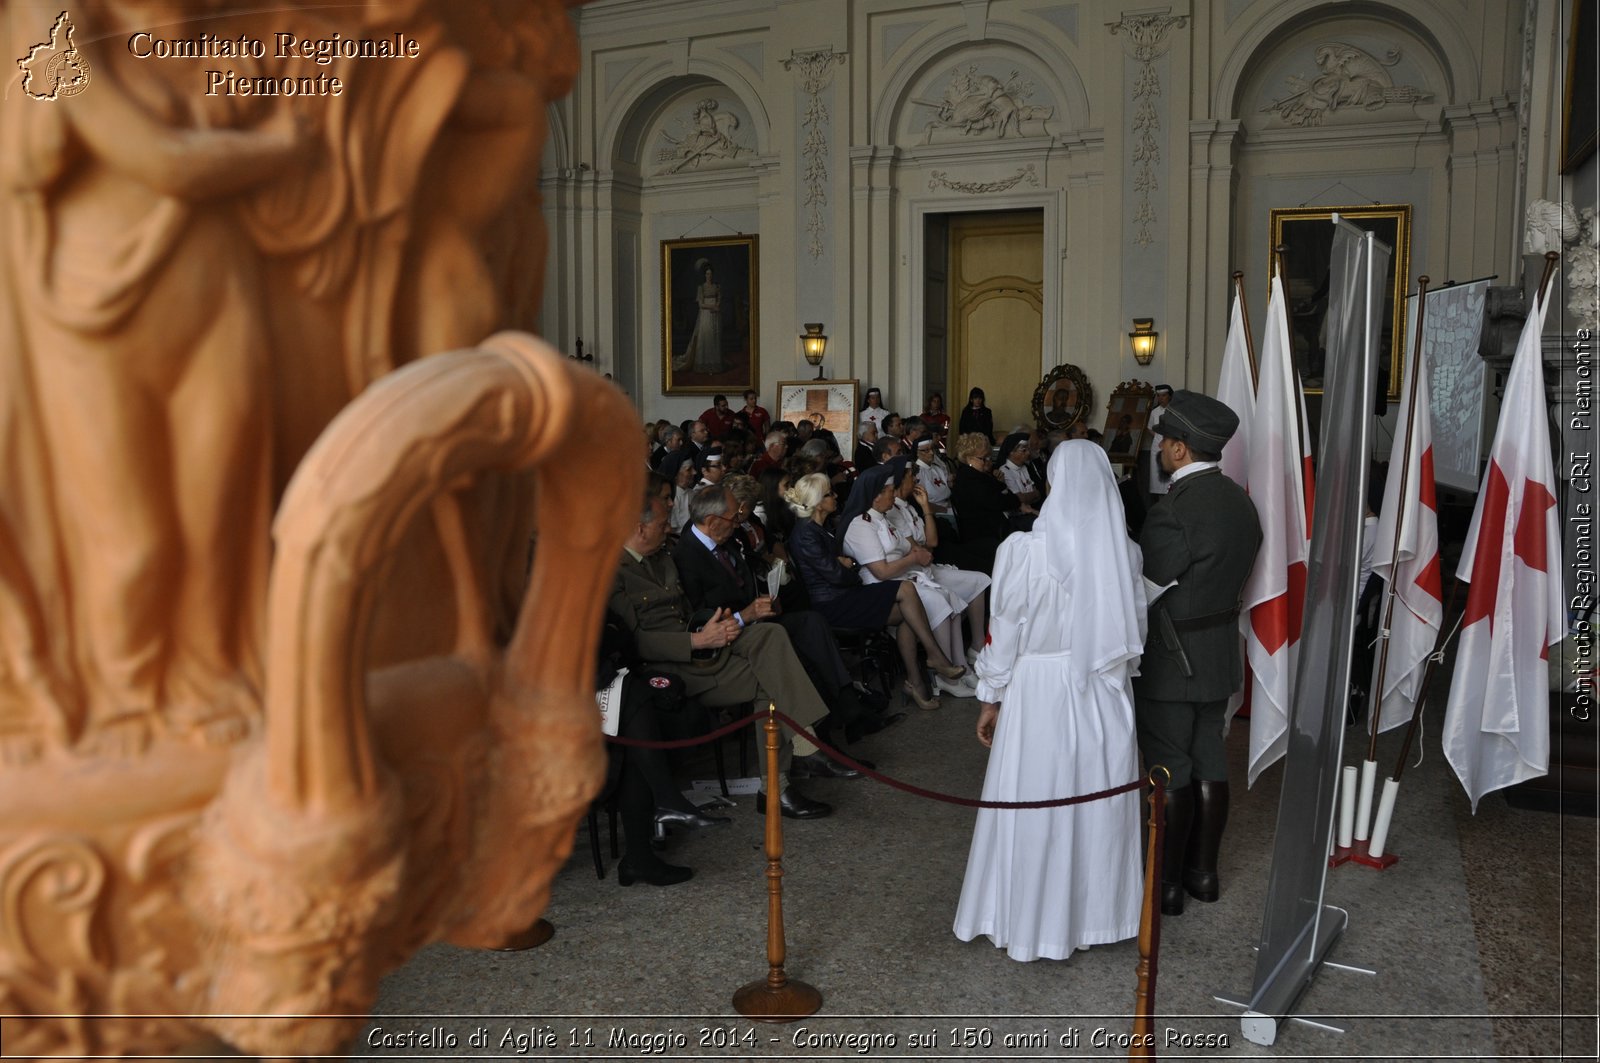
(714, 576)
(1204, 534)
(719, 662)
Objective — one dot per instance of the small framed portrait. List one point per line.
(1063, 398)
(709, 325)
(1127, 421)
(829, 404)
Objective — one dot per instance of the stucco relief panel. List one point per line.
(707, 129)
(975, 100)
(1343, 77)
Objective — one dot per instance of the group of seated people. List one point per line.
(746, 568)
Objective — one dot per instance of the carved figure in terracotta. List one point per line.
(382, 713)
(142, 330)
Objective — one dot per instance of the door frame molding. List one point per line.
(1052, 202)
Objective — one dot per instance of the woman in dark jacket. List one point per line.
(982, 505)
(976, 417)
(837, 592)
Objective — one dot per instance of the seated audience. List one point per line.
(866, 447)
(982, 504)
(882, 553)
(720, 663)
(647, 797)
(837, 593)
(913, 518)
(717, 577)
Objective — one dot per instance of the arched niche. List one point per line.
(1434, 31)
(1342, 72)
(663, 107)
(935, 68)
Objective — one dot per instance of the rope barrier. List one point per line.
(910, 788)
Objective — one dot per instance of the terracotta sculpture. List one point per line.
(240, 775)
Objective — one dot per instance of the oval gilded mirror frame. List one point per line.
(1079, 402)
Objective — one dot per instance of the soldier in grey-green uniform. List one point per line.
(720, 660)
(1204, 534)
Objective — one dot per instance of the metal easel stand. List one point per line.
(1275, 1003)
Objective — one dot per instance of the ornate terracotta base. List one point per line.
(531, 938)
(763, 1002)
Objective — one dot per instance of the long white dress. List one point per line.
(703, 352)
(1043, 882)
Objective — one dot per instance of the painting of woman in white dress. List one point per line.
(1066, 628)
(703, 353)
(708, 311)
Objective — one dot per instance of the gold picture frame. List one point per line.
(1067, 380)
(1307, 235)
(1128, 421)
(709, 315)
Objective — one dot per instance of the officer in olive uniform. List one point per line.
(719, 661)
(1204, 533)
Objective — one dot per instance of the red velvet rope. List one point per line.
(953, 799)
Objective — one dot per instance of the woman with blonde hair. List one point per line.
(837, 593)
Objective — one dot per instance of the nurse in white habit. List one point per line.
(1066, 628)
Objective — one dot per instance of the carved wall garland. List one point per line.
(940, 179)
(816, 73)
(1146, 42)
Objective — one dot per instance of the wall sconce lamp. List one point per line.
(814, 344)
(1143, 339)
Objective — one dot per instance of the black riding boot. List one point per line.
(1210, 817)
(1180, 813)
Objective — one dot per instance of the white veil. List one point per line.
(1087, 546)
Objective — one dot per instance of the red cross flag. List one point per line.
(1280, 486)
(1418, 610)
(1497, 721)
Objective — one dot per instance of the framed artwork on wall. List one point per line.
(1062, 398)
(829, 404)
(709, 326)
(1127, 421)
(1307, 233)
(1580, 116)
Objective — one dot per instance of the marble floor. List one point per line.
(1482, 939)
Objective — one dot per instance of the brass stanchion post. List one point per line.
(775, 998)
(1150, 925)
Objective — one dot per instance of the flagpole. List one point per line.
(1280, 254)
(1249, 339)
(1422, 690)
(1375, 695)
(1550, 258)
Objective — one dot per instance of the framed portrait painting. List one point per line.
(1062, 398)
(829, 404)
(709, 324)
(1307, 235)
(1127, 421)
